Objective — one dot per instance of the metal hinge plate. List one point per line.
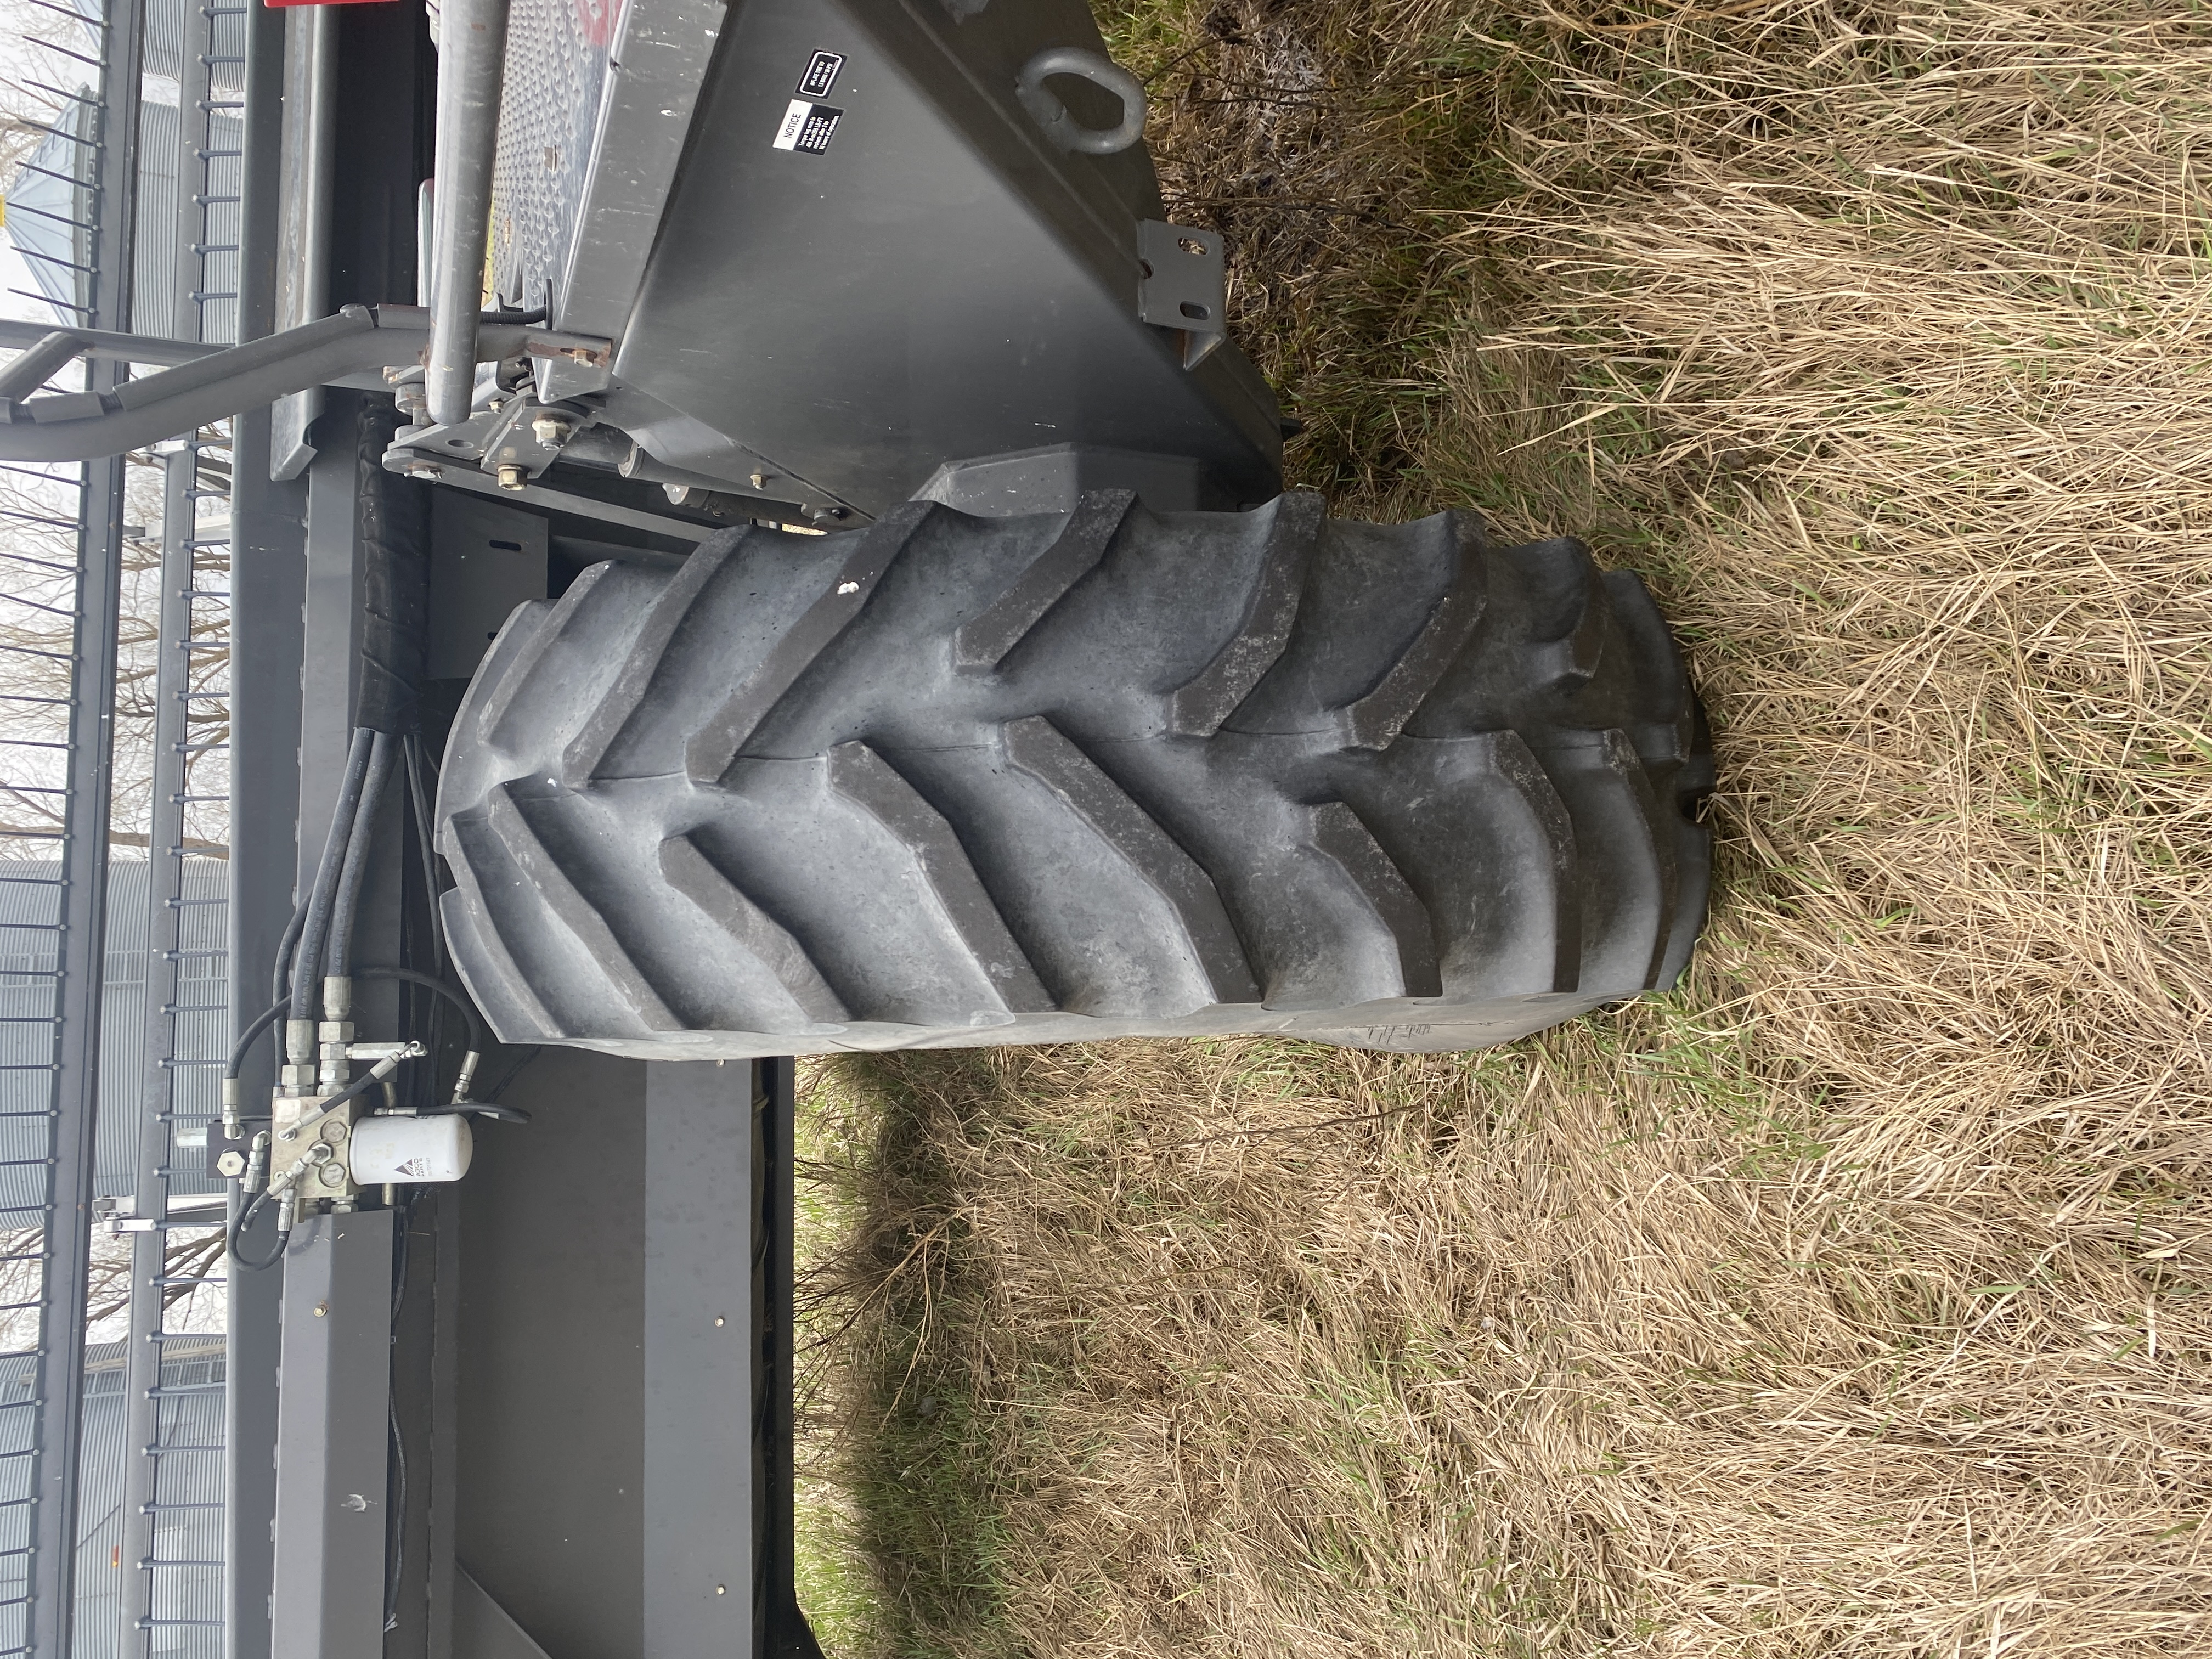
(1184, 285)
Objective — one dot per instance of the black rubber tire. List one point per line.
(955, 781)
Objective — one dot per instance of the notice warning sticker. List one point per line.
(821, 74)
(808, 127)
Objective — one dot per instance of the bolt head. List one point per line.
(322, 1311)
(513, 478)
(550, 430)
(332, 1176)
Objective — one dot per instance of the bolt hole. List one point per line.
(1197, 313)
(512, 547)
(456, 443)
(1144, 265)
(1193, 246)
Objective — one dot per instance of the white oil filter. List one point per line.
(406, 1149)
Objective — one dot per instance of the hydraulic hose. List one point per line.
(280, 973)
(315, 928)
(355, 872)
(408, 976)
(232, 1105)
(238, 1235)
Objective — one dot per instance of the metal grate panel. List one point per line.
(557, 72)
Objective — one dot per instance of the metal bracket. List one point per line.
(117, 1215)
(1184, 285)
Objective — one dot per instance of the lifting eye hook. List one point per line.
(1060, 125)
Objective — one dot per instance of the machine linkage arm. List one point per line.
(207, 386)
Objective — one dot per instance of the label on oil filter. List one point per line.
(821, 74)
(808, 127)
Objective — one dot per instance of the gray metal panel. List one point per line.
(483, 1630)
(700, 1363)
(551, 1329)
(651, 93)
(485, 559)
(939, 283)
(332, 1438)
(556, 70)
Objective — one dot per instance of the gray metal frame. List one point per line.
(110, 186)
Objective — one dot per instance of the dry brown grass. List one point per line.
(1851, 1300)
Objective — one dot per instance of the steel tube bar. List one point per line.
(471, 69)
(39, 363)
(164, 939)
(80, 955)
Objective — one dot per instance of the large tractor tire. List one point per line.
(951, 780)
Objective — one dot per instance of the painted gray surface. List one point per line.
(332, 1438)
(485, 559)
(699, 1364)
(552, 1371)
(941, 283)
(483, 1629)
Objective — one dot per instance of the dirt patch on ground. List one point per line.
(1849, 1301)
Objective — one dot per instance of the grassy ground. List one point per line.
(1848, 1301)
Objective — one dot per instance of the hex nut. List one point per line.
(231, 1165)
(513, 478)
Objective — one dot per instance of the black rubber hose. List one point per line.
(238, 1234)
(391, 539)
(338, 948)
(361, 1086)
(262, 1021)
(307, 956)
(280, 974)
(408, 976)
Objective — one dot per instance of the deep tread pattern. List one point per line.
(565, 904)
(1374, 720)
(1126, 832)
(860, 774)
(690, 873)
(620, 702)
(953, 780)
(1338, 832)
(1204, 702)
(988, 639)
(846, 596)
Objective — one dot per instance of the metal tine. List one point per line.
(59, 218)
(35, 40)
(53, 259)
(55, 92)
(49, 300)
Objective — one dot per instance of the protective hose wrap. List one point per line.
(392, 527)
